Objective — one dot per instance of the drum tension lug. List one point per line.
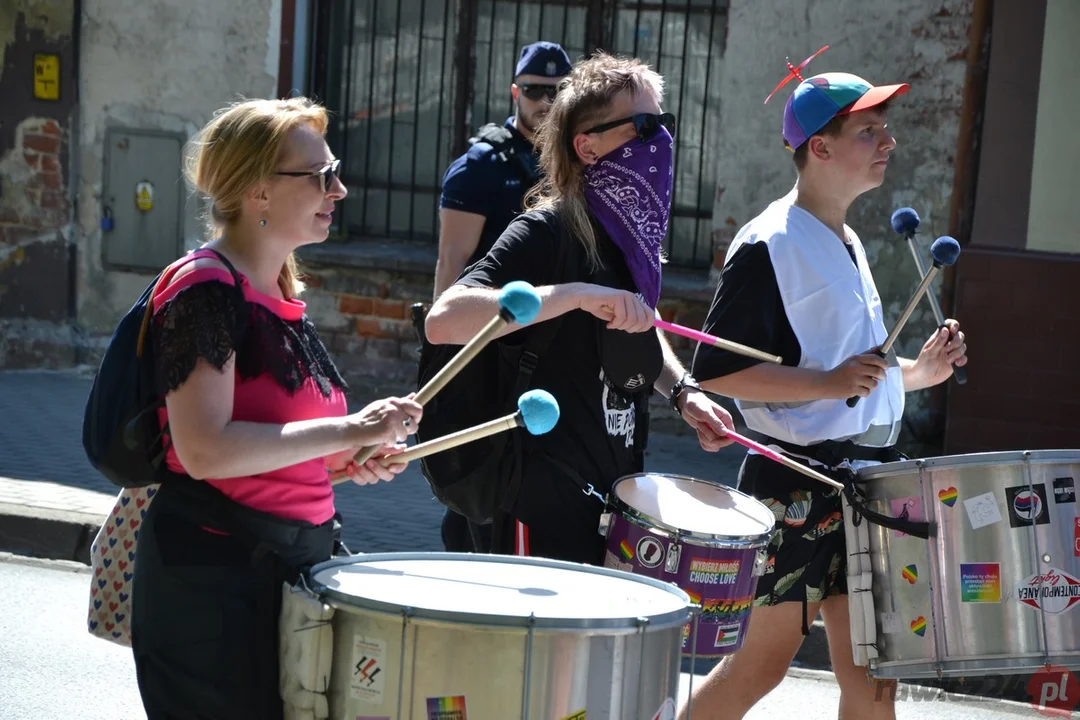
(671, 563)
(605, 524)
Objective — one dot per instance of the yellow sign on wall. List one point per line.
(46, 76)
(144, 196)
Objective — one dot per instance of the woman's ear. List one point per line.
(260, 197)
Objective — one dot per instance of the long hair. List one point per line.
(240, 148)
(584, 99)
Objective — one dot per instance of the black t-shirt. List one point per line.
(484, 183)
(598, 423)
(747, 309)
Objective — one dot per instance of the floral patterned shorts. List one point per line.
(807, 556)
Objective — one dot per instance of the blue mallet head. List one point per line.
(539, 411)
(945, 250)
(905, 221)
(520, 300)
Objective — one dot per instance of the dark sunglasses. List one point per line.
(536, 92)
(326, 175)
(646, 124)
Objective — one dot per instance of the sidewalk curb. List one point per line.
(48, 533)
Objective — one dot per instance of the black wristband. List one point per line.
(687, 382)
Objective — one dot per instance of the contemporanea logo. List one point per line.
(1054, 591)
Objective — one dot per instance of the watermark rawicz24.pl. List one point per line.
(1052, 691)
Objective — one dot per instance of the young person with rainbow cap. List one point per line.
(796, 283)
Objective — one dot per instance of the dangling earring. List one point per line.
(263, 222)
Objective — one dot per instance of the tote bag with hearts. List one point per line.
(112, 559)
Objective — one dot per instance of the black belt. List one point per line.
(833, 454)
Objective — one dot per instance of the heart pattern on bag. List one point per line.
(112, 557)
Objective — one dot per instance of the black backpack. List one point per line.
(481, 477)
(122, 436)
(501, 141)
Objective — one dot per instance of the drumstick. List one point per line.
(783, 459)
(904, 222)
(945, 251)
(717, 342)
(538, 412)
(518, 302)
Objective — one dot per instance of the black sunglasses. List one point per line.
(646, 124)
(534, 91)
(326, 175)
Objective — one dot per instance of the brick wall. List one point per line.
(1019, 312)
(362, 314)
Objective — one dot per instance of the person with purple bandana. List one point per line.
(591, 245)
(796, 283)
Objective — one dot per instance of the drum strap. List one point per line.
(835, 455)
(853, 493)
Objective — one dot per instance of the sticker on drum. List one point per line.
(447, 708)
(666, 711)
(369, 669)
(706, 538)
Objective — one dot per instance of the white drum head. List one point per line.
(455, 585)
(694, 506)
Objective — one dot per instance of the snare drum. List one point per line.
(455, 636)
(707, 539)
(997, 588)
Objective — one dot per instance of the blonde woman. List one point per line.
(256, 415)
(606, 154)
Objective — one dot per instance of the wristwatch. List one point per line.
(687, 382)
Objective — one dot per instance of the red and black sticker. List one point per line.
(1027, 506)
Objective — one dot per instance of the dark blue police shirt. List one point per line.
(480, 182)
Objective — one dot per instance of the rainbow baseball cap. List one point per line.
(819, 99)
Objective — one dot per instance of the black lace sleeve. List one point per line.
(202, 320)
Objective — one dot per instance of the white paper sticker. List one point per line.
(368, 671)
(666, 711)
(982, 510)
(890, 623)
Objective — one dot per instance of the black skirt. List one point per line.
(206, 596)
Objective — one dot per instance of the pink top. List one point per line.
(301, 491)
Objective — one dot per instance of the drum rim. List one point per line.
(997, 458)
(647, 522)
(673, 618)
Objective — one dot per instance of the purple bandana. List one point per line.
(629, 192)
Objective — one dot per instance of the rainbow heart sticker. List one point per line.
(918, 626)
(948, 496)
(910, 573)
(627, 551)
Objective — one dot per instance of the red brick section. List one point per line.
(47, 205)
(1023, 392)
(373, 307)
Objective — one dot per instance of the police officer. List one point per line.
(484, 188)
(482, 192)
